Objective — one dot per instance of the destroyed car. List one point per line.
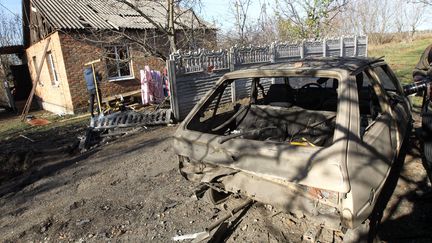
(317, 135)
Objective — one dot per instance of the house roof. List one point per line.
(110, 14)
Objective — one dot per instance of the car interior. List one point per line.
(297, 110)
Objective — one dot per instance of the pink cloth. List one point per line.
(151, 86)
(145, 79)
(157, 87)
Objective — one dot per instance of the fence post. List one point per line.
(355, 46)
(173, 89)
(366, 47)
(302, 50)
(273, 52)
(231, 59)
(341, 46)
(324, 46)
(273, 57)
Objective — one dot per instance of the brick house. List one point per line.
(80, 31)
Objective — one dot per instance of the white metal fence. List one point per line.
(192, 74)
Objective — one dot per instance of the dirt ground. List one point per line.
(131, 190)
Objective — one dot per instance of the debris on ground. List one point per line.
(38, 122)
(124, 119)
(190, 236)
(128, 205)
(23, 136)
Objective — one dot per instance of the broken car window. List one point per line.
(296, 110)
(385, 80)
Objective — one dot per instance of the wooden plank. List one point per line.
(38, 73)
(117, 96)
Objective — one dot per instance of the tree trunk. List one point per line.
(171, 30)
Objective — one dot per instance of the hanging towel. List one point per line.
(145, 80)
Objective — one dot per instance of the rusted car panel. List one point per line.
(326, 151)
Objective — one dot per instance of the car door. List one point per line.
(399, 103)
(371, 159)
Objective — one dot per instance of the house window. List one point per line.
(52, 69)
(118, 62)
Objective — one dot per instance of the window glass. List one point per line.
(118, 62)
(52, 68)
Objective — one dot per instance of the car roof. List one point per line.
(350, 64)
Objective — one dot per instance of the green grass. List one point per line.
(12, 126)
(402, 57)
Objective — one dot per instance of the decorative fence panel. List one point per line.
(193, 74)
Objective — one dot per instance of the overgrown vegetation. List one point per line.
(402, 56)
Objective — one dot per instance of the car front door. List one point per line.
(370, 161)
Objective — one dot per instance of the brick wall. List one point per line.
(77, 52)
(72, 50)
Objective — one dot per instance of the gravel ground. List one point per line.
(130, 190)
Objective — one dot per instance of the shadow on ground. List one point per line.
(407, 201)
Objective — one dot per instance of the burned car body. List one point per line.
(317, 135)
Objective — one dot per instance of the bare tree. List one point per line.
(382, 20)
(374, 18)
(249, 29)
(169, 30)
(265, 30)
(309, 18)
(240, 10)
(181, 28)
(429, 2)
(10, 34)
(400, 19)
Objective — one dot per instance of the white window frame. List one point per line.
(52, 69)
(117, 61)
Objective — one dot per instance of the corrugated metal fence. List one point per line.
(191, 75)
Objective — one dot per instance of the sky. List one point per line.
(218, 12)
(214, 11)
(12, 5)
